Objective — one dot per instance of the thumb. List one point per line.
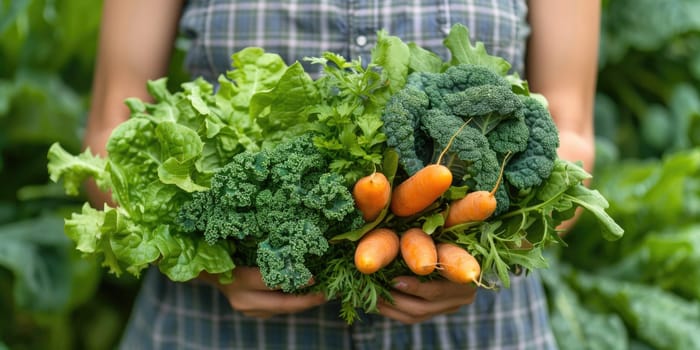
(406, 284)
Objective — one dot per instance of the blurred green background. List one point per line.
(642, 292)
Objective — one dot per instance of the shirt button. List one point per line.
(445, 29)
(361, 40)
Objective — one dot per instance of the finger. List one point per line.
(435, 290)
(208, 277)
(421, 308)
(249, 277)
(274, 302)
(252, 278)
(424, 300)
(409, 309)
(286, 303)
(412, 286)
(393, 312)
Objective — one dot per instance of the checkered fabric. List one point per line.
(305, 28)
(195, 315)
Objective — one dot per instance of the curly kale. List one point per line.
(224, 210)
(420, 119)
(282, 201)
(282, 256)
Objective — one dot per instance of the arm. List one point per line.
(136, 40)
(562, 65)
(135, 45)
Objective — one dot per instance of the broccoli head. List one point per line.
(282, 202)
(420, 119)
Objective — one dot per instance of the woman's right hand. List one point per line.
(249, 295)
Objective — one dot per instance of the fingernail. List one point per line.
(400, 285)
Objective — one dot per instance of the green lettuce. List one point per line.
(170, 149)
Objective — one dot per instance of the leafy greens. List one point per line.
(174, 151)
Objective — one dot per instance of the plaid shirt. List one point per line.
(305, 28)
(195, 315)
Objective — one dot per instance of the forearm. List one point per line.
(562, 65)
(136, 39)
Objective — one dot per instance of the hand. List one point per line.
(249, 295)
(416, 301)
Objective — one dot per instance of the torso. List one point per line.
(218, 28)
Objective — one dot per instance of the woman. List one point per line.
(553, 44)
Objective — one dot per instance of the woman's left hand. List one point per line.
(416, 301)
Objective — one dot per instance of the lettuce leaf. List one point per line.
(127, 245)
(74, 170)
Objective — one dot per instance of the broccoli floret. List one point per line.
(509, 136)
(486, 105)
(283, 201)
(464, 76)
(401, 118)
(470, 157)
(454, 79)
(532, 166)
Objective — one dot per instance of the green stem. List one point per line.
(532, 208)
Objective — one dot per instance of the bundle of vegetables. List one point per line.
(321, 177)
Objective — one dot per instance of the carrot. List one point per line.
(376, 249)
(420, 190)
(457, 265)
(424, 187)
(475, 206)
(418, 251)
(371, 194)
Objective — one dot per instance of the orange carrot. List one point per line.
(371, 194)
(475, 206)
(376, 249)
(420, 190)
(424, 187)
(457, 265)
(418, 251)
